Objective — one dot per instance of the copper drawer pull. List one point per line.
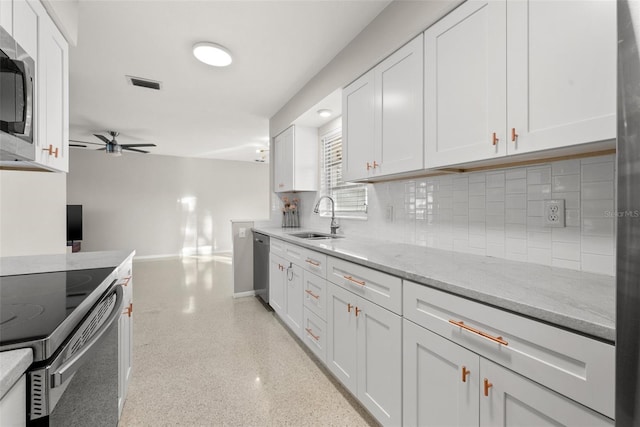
(494, 139)
(514, 135)
(487, 386)
(461, 324)
(315, 337)
(351, 279)
(465, 373)
(312, 294)
(312, 262)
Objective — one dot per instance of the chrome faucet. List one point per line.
(334, 224)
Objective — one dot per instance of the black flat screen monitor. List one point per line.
(74, 223)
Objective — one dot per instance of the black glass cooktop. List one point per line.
(32, 306)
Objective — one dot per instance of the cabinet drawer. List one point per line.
(380, 288)
(315, 334)
(315, 294)
(573, 365)
(312, 261)
(276, 247)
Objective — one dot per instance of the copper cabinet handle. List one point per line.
(312, 262)
(461, 324)
(349, 307)
(51, 151)
(128, 310)
(465, 372)
(487, 386)
(126, 281)
(357, 311)
(315, 337)
(368, 166)
(312, 294)
(351, 279)
(514, 135)
(494, 139)
(375, 165)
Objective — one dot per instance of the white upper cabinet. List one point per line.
(6, 15)
(27, 15)
(52, 148)
(465, 93)
(382, 117)
(510, 77)
(561, 83)
(296, 160)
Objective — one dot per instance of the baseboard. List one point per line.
(244, 294)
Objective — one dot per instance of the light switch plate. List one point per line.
(242, 233)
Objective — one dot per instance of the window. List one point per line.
(350, 199)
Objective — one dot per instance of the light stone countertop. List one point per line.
(13, 364)
(10, 266)
(575, 300)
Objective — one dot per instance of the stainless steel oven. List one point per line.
(17, 72)
(70, 321)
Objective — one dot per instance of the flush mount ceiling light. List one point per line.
(212, 54)
(324, 113)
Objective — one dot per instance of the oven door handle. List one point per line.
(66, 370)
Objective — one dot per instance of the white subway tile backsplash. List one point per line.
(603, 264)
(516, 186)
(566, 167)
(598, 189)
(598, 172)
(565, 250)
(499, 213)
(565, 183)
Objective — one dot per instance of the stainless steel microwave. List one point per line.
(16, 100)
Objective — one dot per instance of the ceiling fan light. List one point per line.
(113, 150)
(212, 54)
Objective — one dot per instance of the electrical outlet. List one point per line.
(554, 213)
(242, 233)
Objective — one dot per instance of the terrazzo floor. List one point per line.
(202, 358)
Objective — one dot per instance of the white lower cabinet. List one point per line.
(125, 336)
(364, 350)
(448, 385)
(13, 405)
(293, 312)
(315, 334)
(277, 269)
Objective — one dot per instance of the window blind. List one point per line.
(350, 199)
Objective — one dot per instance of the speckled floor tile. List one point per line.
(202, 358)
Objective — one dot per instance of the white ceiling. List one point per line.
(201, 111)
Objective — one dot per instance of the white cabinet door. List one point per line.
(6, 15)
(277, 267)
(295, 301)
(283, 168)
(52, 148)
(342, 336)
(13, 405)
(399, 81)
(465, 91)
(379, 361)
(358, 129)
(509, 399)
(561, 81)
(441, 380)
(26, 22)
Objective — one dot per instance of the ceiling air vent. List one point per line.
(146, 83)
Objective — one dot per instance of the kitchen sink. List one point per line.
(314, 235)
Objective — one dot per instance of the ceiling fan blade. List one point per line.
(77, 145)
(85, 142)
(133, 149)
(137, 145)
(102, 138)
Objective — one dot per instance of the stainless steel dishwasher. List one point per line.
(261, 266)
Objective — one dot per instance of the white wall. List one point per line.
(33, 213)
(163, 205)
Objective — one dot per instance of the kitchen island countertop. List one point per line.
(575, 300)
(31, 264)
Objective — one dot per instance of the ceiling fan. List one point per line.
(112, 147)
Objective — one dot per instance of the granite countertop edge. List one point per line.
(13, 364)
(601, 327)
